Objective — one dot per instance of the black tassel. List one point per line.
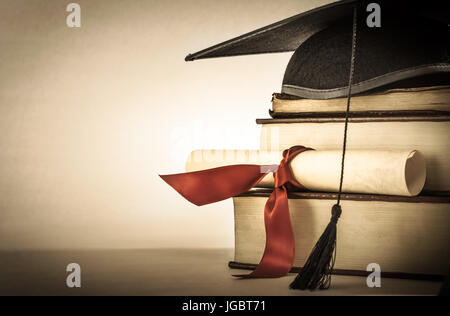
(316, 273)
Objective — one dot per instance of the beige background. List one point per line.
(90, 116)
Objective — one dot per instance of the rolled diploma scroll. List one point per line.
(366, 171)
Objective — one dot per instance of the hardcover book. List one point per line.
(406, 236)
(428, 134)
(395, 101)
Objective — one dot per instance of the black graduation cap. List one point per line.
(411, 48)
(338, 54)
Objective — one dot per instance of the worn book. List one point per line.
(394, 101)
(428, 134)
(405, 236)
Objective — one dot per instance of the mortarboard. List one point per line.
(410, 48)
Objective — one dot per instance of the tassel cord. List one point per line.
(349, 94)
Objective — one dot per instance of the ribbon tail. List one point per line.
(217, 184)
(279, 252)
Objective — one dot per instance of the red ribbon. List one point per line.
(217, 184)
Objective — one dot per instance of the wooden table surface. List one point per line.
(184, 272)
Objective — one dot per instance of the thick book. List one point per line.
(424, 99)
(405, 236)
(428, 134)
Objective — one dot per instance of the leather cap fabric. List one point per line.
(399, 50)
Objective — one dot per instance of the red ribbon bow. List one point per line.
(217, 184)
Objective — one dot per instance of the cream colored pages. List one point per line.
(418, 99)
(366, 171)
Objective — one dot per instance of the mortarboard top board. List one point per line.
(412, 47)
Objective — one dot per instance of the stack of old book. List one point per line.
(398, 69)
(404, 235)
